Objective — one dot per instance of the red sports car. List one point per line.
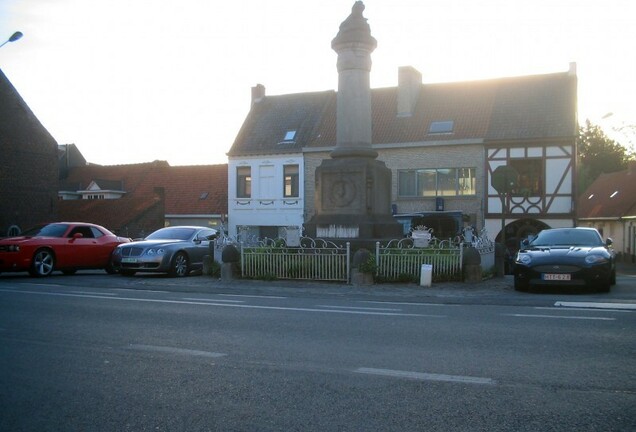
(64, 246)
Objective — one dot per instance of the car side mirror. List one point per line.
(525, 242)
(609, 242)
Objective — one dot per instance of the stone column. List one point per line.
(353, 189)
(354, 45)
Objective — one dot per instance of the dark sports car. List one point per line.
(174, 250)
(65, 246)
(566, 257)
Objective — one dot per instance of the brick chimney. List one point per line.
(409, 86)
(258, 93)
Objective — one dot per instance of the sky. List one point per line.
(132, 81)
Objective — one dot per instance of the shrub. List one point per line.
(368, 265)
(214, 270)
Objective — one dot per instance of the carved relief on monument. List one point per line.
(341, 190)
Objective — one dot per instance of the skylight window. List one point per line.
(203, 196)
(590, 197)
(440, 127)
(290, 135)
(614, 194)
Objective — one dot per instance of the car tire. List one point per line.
(110, 269)
(613, 278)
(127, 272)
(180, 265)
(69, 272)
(43, 263)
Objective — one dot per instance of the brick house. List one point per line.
(28, 166)
(442, 142)
(134, 200)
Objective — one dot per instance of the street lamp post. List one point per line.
(14, 37)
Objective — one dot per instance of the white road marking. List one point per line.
(582, 309)
(561, 317)
(594, 305)
(212, 300)
(405, 303)
(173, 350)
(358, 308)
(96, 293)
(254, 296)
(60, 294)
(137, 290)
(426, 376)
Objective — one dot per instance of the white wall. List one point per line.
(266, 206)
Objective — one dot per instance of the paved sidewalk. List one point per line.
(493, 290)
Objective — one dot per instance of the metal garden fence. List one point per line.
(311, 260)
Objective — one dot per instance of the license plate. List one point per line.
(557, 276)
(129, 260)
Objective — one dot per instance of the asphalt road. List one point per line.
(93, 352)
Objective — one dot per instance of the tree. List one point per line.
(598, 154)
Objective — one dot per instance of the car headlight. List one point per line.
(13, 248)
(117, 251)
(596, 259)
(155, 251)
(523, 259)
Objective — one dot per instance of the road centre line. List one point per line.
(94, 293)
(358, 308)
(594, 305)
(294, 309)
(582, 309)
(561, 317)
(212, 300)
(426, 376)
(173, 350)
(253, 296)
(405, 303)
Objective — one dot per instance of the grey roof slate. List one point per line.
(518, 108)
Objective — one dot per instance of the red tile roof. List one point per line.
(184, 186)
(611, 195)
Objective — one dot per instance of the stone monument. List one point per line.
(353, 189)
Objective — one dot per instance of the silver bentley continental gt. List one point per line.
(176, 250)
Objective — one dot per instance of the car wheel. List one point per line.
(69, 272)
(43, 263)
(127, 272)
(613, 278)
(180, 266)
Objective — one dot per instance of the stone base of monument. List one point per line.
(353, 200)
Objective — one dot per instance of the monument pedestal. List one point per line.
(353, 200)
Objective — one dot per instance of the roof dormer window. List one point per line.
(289, 135)
(441, 127)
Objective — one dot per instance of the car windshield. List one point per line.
(567, 237)
(172, 233)
(50, 230)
